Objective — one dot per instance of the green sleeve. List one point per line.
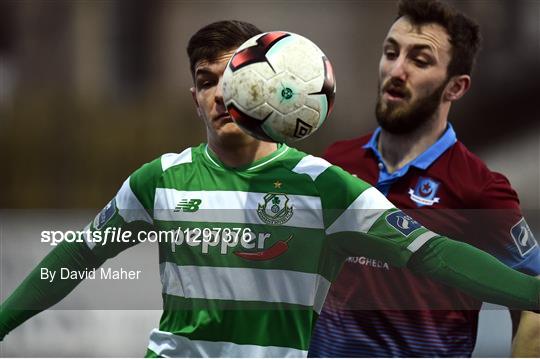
(130, 209)
(363, 222)
(35, 295)
(477, 273)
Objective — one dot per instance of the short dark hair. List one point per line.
(218, 37)
(464, 32)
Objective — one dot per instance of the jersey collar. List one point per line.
(260, 163)
(423, 161)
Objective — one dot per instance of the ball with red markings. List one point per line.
(279, 86)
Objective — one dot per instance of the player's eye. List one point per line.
(421, 63)
(390, 54)
(205, 84)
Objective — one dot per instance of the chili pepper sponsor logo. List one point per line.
(188, 205)
(275, 209)
(275, 250)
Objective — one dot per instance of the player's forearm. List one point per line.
(477, 273)
(36, 294)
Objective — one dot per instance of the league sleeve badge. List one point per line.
(105, 215)
(425, 191)
(523, 237)
(402, 223)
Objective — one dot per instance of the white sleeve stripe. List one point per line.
(420, 241)
(312, 166)
(362, 213)
(129, 207)
(172, 159)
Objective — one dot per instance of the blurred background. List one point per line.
(91, 90)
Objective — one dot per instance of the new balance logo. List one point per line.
(188, 205)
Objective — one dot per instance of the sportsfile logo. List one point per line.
(188, 205)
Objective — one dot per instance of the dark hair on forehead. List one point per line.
(464, 32)
(216, 38)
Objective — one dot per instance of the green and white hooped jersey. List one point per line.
(255, 249)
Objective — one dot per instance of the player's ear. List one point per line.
(457, 87)
(194, 97)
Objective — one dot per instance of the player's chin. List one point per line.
(232, 133)
(229, 129)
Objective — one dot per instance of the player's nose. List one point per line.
(219, 90)
(398, 69)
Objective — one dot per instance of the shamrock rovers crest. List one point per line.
(275, 209)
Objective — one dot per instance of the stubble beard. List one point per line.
(405, 118)
(231, 136)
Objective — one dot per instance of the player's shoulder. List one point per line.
(152, 171)
(172, 159)
(468, 163)
(472, 173)
(461, 152)
(299, 162)
(323, 173)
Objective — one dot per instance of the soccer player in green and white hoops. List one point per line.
(264, 231)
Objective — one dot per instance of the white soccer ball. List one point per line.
(279, 86)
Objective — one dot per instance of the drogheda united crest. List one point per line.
(424, 192)
(275, 209)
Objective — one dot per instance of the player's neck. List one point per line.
(399, 149)
(242, 155)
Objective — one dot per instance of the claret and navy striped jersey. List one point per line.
(376, 310)
(256, 248)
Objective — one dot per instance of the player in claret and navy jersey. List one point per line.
(415, 159)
